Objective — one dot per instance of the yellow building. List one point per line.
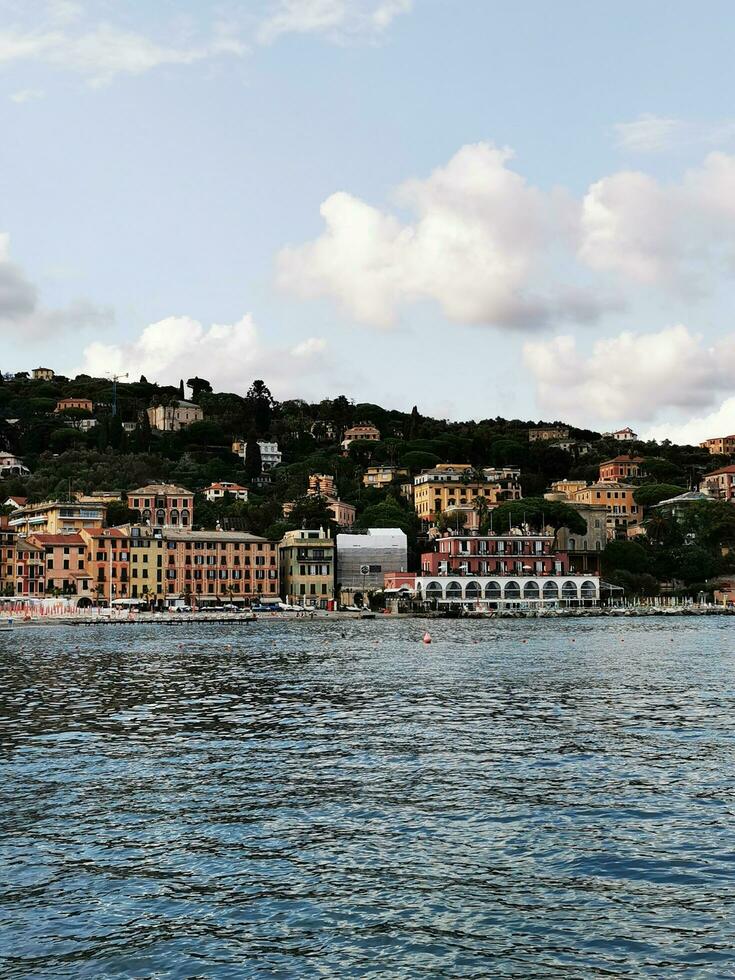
(172, 418)
(568, 489)
(622, 510)
(381, 476)
(721, 446)
(454, 485)
(57, 517)
(306, 560)
(146, 563)
(42, 374)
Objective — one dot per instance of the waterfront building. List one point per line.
(66, 568)
(218, 491)
(457, 484)
(11, 465)
(174, 417)
(383, 476)
(30, 567)
(7, 557)
(511, 570)
(548, 433)
(163, 505)
(306, 560)
(362, 432)
(57, 517)
(146, 563)
(270, 454)
(108, 562)
(363, 558)
(42, 374)
(623, 513)
(321, 484)
(622, 468)
(74, 404)
(720, 446)
(219, 566)
(720, 484)
(585, 550)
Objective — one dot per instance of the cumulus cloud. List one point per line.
(480, 245)
(633, 376)
(24, 318)
(677, 235)
(720, 422)
(228, 355)
(335, 19)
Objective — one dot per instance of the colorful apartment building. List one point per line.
(623, 513)
(307, 567)
(30, 568)
(321, 484)
(720, 483)
(163, 505)
(57, 517)
(174, 417)
(455, 485)
(502, 571)
(7, 557)
(622, 468)
(108, 562)
(65, 563)
(720, 446)
(218, 566)
(566, 489)
(146, 563)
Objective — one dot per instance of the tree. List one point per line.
(653, 493)
(627, 556)
(537, 513)
(118, 513)
(260, 403)
(253, 460)
(198, 387)
(182, 395)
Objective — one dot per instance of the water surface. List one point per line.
(334, 799)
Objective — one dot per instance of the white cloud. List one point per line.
(23, 318)
(720, 422)
(334, 19)
(633, 376)
(101, 52)
(26, 95)
(676, 235)
(228, 355)
(481, 245)
(655, 134)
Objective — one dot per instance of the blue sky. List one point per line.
(518, 209)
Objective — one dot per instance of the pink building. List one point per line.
(163, 505)
(509, 554)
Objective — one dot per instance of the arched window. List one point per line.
(473, 591)
(492, 590)
(434, 591)
(569, 592)
(512, 590)
(571, 544)
(454, 591)
(530, 590)
(160, 517)
(185, 518)
(146, 515)
(174, 518)
(589, 590)
(551, 591)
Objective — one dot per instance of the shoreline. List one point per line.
(186, 619)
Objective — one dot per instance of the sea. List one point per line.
(337, 799)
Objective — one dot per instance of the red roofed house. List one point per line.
(217, 491)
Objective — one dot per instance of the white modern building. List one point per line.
(11, 465)
(509, 592)
(270, 454)
(363, 558)
(217, 491)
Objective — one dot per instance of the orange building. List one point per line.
(621, 468)
(720, 483)
(66, 404)
(163, 505)
(721, 446)
(622, 510)
(219, 566)
(65, 557)
(108, 562)
(363, 432)
(29, 568)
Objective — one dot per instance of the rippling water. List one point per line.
(520, 799)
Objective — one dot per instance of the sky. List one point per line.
(482, 208)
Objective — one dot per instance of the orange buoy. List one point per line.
(426, 638)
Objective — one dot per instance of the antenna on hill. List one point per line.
(115, 378)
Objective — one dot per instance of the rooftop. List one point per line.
(163, 488)
(183, 534)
